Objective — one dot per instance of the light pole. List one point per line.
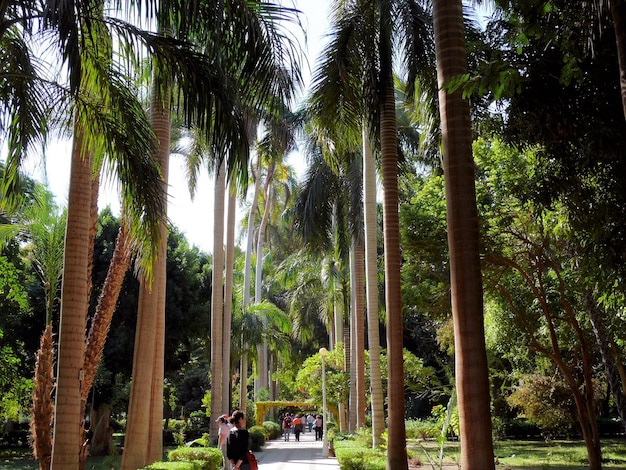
(323, 353)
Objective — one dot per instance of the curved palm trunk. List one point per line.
(472, 379)
(74, 300)
(217, 302)
(143, 442)
(101, 323)
(371, 287)
(228, 294)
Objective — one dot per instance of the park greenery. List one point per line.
(476, 303)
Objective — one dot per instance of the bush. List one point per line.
(272, 430)
(354, 455)
(208, 458)
(422, 429)
(174, 466)
(257, 438)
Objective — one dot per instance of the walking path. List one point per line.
(293, 455)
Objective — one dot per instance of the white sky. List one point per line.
(194, 218)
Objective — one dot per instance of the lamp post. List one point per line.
(323, 353)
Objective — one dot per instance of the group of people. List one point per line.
(232, 440)
(295, 423)
(232, 437)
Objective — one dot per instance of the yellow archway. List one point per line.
(261, 408)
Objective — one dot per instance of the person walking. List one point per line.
(237, 442)
(222, 436)
(287, 424)
(319, 428)
(298, 427)
(309, 421)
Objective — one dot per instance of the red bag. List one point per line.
(252, 461)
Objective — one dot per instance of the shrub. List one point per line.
(174, 466)
(354, 455)
(257, 437)
(208, 458)
(272, 430)
(422, 429)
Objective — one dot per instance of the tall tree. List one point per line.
(471, 372)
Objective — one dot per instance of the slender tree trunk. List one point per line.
(472, 375)
(247, 272)
(371, 285)
(74, 300)
(243, 383)
(228, 294)
(352, 426)
(359, 329)
(262, 379)
(217, 303)
(396, 450)
(143, 443)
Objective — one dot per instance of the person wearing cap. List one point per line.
(222, 435)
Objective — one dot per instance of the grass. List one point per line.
(528, 455)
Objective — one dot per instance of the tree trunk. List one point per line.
(143, 443)
(396, 450)
(472, 375)
(102, 432)
(43, 408)
(262, 379)
(359, 329)
(371, 285)
(228, 295)
(217, 302)
(74, 300)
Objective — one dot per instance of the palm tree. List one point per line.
(357, 72)
(41, 224)
(471, 371)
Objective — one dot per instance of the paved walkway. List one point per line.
(292, 455)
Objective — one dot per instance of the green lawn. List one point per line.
(527, 455)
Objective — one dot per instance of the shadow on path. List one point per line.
(292, 455)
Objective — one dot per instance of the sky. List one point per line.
(192, 217)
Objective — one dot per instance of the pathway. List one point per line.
(292, 455)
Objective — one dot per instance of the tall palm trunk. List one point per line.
(396, 451)
(228, 294)
(359, 330)
(143, 442)
(371, 286)
(74, 298)
(262, 379)
(247, 272)
(217, 301)
(472, 379)
(352, 410)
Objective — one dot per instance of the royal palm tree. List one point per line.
(357, 73)
(471, 371)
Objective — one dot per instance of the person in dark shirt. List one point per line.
(237, 442)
